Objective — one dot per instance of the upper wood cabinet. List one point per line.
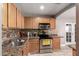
(19, 18)
(11, 16)
(52, 23)
(4, 16)
(35, 23)
(28, 23)
(22, 22)
(38, 20)
(43, 20)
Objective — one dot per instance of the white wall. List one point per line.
(68, 16)
(0, 29)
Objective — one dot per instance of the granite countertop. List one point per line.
(12, 51)
(38, 37)
(51, 38)
(57, 36)
(73, 46)
(33, 37)
(30, 37)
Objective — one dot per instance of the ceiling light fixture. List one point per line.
(42, 7)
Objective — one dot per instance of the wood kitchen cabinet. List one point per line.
(12, 15)
(23, 51)
(28, 23)
(19, 18)
(22, 22)
(43, 20)
(12, 18)
(4, 16)
(34, 46)
(56, 43)
(38, 20)
(74, 52)
(35, 23)
(52, 23)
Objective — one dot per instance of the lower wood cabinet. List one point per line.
(56, 43)
(31, 47)
(24, 50)
(34, 46)
(74, 52)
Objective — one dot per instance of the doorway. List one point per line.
(70, 33)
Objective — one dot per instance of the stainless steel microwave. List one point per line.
(44, 25)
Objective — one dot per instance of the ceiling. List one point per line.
(33, 9)
(68, 14)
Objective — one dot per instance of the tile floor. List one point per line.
(64, 51)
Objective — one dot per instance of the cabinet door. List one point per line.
(28, 23)
(74, 52)
(56, 43)
(35, 23)
(25, 51)
(4, 16)
(34, 46)
(52, 23)
(19, 18)
(11, 16)
(22, 24)
(43, 20)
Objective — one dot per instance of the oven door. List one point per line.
(46, 42)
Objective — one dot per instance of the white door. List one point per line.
(70, 33)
